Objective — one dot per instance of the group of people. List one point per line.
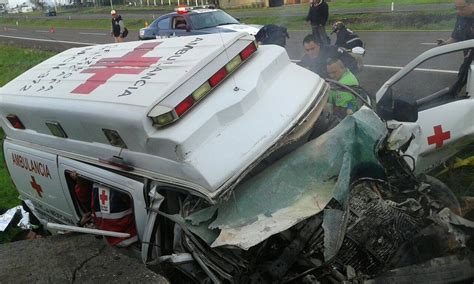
(338, 62)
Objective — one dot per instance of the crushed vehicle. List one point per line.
(224, 150)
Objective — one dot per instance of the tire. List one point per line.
(442, 193)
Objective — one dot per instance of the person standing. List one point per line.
(118, 27)
(318, 16)
(464, 27)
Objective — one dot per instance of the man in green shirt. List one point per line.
(341, 103)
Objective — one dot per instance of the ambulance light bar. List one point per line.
(15, 121)
(166, 115)
(182, 10)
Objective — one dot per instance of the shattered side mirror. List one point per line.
(399, 108)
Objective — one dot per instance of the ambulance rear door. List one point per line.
(35, 176)
(133, 187)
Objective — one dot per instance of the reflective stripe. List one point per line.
(112, 216)
(127, 242)
(351, 40)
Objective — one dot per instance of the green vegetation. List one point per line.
(14, 61)
(459, 176)
(433, 20)
(438, 20)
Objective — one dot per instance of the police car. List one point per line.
(208, 137)
(194, 21)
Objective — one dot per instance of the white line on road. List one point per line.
(42, 31)
(99, 34)
(399, 68)
(49, 40)
(429, 43)
(10, 29)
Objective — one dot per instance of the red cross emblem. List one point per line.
(131, 63)
(439, 136)
(36, 186)
(103, 197)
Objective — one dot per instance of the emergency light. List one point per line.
(168, 116)
(15, 121)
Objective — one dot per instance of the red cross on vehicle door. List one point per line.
(36, 186)
(104, 199)
(439, 136)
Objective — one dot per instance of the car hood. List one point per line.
(296, 187)
(251, 29)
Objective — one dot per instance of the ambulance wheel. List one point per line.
(440, 192)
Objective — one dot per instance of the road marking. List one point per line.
(49, 40)
(428, 43)
(42, 31)
(399, 68)
(10, 29)
(100, 34)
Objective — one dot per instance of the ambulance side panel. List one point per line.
(111, 180)
(35, 175)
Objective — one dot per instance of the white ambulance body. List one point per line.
(189, 114)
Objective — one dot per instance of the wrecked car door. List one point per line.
(438, 83)
(132, 187)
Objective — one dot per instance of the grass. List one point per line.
(461, 179)
(434, 20)
(13, 62)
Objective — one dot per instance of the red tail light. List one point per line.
(15, 121)
(184, 105)
(251, 48)
(218, 77)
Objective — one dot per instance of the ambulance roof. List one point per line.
(132, 73)
(94, 91)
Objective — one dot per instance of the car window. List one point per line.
(179, 23)
(211, 19)
(435, 79)
(164, 23)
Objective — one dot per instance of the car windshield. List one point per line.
(211, 19)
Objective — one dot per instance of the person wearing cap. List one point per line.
(318, 16)
(345, 38)
(464, 27)
(118, 27)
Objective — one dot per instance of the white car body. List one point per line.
(204, 152)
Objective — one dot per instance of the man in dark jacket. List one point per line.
(317, 55)
(346, 38)
(464, 27)
(318, 16)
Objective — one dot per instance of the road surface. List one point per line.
(386, 53)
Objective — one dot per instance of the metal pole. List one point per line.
(60, 227)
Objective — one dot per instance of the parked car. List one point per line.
(50, 12)
(194, 21)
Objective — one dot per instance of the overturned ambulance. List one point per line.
(217, 146)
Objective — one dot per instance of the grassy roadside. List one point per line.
(13, 62)
(430, 20)
(338, 4)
